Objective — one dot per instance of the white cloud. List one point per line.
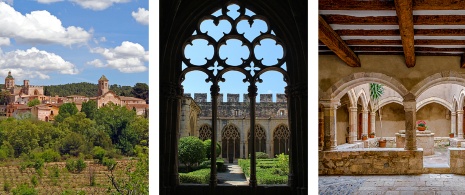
(98, 5)
(4, 41)
(97, 63)
(127, 58)
(34, 63)
(141, 16)
(7, 1)
(38, 27)
(48, 1)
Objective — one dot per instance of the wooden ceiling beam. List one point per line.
(404, 10)
(327, 35)
(399, 42)
(389, 5)
(355, 5)
(392, 20)
(422, 32)
(393, 48)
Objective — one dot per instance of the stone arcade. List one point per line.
(178, 22)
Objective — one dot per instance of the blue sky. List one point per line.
(233, 51)
(69, 41)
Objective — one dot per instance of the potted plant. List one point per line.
(421, 125)
(372, 135)
(451, 135)
(382, 143)
(364, 137)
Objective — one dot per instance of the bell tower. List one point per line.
(9, 81)
(102, 85)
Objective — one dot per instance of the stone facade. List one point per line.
(233, 116)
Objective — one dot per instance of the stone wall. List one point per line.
(435, 116)
(393, 119)
(234, 108)
(387, 161)
(342, 125)
(457, 160)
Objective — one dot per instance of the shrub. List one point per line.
(50, 155)
(191, 150)
(283, 164)
(75, 166)
(99, 153)
(3, 154)
(207, 143)
(6, 186)
(24, 189)
(261, 155)
(201, 176)
(109, 163)
(34, 181)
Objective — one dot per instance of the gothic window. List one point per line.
(230, 140)
(260, 139)
(205, 132)
(234, 39)
(281, 137)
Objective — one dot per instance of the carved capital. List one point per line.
(171, 90)
(215, 90)
(300, 89)
(252, 90)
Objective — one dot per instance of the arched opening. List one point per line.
(230, 140)
(281, 136)
(260, 139)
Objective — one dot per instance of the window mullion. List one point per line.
(214, 95)
(252, 96)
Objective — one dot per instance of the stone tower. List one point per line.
(102, 85)
(9, 81)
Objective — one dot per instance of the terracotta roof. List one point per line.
(137, 106)
(130, 98)
(103, 78)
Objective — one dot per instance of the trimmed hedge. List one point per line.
(201, 176)
(267, 171)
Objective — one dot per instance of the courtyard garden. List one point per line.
(195, 164)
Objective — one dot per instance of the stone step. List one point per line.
(436, 170)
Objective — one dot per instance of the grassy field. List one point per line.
(57, 180)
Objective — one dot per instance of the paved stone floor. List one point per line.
(393, 184)
(233, 176)
(433, 184)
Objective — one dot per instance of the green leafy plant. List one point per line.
(191, 151)
(376, 91)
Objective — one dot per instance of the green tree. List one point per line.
(117, 121)
(5, 97)
(33, 102)
(376, 91)
(141, 90)
(191, 151)
(90, 108)
(72, 144)
(207, 143)
(65, 111)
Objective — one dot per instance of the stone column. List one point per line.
(460, 123)
(352, 125)
(365, 122)
(453, 123)
(410, 122)
(330, 141)
(373, 122)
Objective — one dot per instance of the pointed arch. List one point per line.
(205, 132)
(364, 99)
(281, 138)
(260, 138)
(230, 140)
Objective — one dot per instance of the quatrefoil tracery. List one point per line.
(250, 66)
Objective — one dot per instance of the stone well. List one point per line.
(425, 140)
